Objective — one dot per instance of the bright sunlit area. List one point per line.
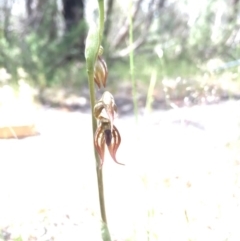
(162, 98)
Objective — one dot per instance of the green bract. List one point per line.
(92, 47)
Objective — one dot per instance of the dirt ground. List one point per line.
(179, 182)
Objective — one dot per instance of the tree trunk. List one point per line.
(73, 13)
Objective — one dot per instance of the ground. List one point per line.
(179, 182)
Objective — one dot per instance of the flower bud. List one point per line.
(100, 72)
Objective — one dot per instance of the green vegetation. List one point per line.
(49, 46)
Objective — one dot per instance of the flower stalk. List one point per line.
(105, 132)
(91, 52)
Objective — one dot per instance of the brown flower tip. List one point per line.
(100, 72)
(114, 144)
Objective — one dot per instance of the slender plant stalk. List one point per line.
(99, 171)
(101, 18)
(131, 62)
(91, 51)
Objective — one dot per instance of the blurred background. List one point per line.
(192, 48)
(181, 148)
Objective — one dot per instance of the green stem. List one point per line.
(93, 42)
(101, 19)
(131, 62)
(99, 171)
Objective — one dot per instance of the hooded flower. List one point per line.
(105, 110)
(106, 133)
(104, 136)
